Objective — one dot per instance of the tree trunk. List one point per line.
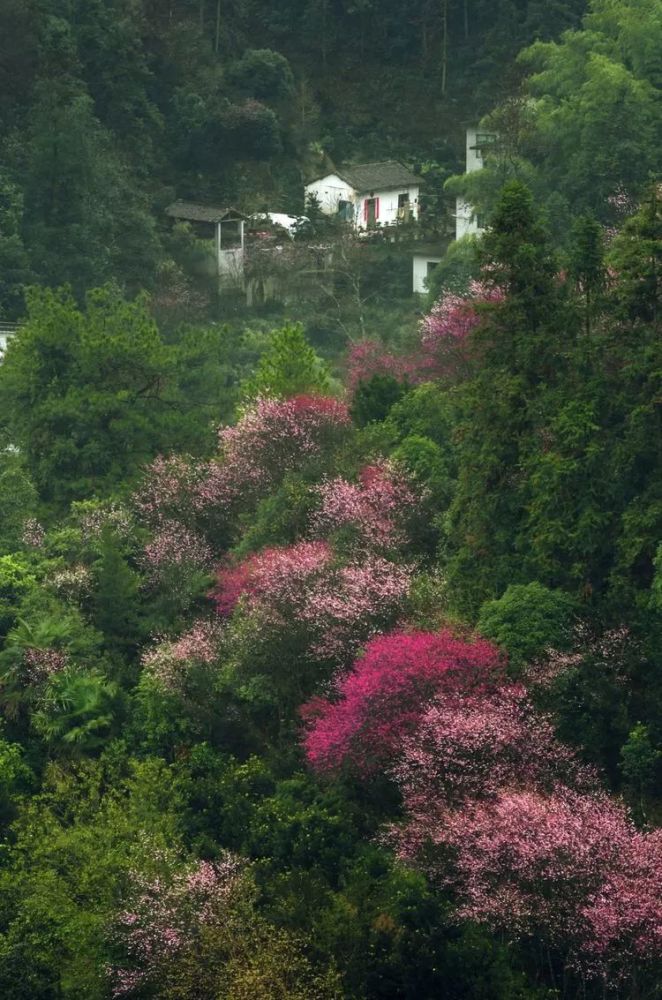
(218, 26)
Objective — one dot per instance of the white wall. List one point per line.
(329, 191)
(466, 222)
(420, 271)
(388, 205)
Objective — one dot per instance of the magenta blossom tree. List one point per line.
(382, 699)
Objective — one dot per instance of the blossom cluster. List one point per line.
(377, 507)
(611, 649)
(163, 915)
(567, 866)
(95, 517)
(367, 358)
(173, 546)
(453, 317)
(495, 807)
(473, 743)
(167, 488)
(167, 662)
(276, 436)
(301, 587)
(72, 582)
(40, 664)
(445, 331)
(33, 533)
(179, 495)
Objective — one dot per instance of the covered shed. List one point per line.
(226, 226)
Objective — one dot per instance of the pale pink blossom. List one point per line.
(300, 587)
(169, 660)
(377, 508)
(164, 913)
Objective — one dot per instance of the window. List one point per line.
(345, 210)
(403, 199)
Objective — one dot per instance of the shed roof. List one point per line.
(373, 176)
(193, 212)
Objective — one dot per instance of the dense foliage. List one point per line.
(329, 635)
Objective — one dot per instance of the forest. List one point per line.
(330, 616)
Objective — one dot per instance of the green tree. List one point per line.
(90, 396)
(14, 270)
(18, 499)
(519, 348)
(586, 263)
(116, 601)
(78, 712)
(263, 74)
(288, 367)
(75, 182)
(526, 620)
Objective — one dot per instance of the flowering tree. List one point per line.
(566, 866)
(192, 931)
(300, 589)
(274, 437)
(166, 490)
(446, 330)
(368, 358)
(163, 915)
(169, 660)
(197, 500)
(385, 695)
(470, 744)
(376, 508)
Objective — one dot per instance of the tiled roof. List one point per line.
(377, 176)
(201, 213)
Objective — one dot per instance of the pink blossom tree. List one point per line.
(188, 503)
(163, 915)
(446, 331)
(271, 438)
(471, 744)
(368, 358)
(193, 931)
(300, 591)
(566, 866)
(169, 661)
(376, 509)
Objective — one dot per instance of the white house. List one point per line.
(467, 221)
(369, 194)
